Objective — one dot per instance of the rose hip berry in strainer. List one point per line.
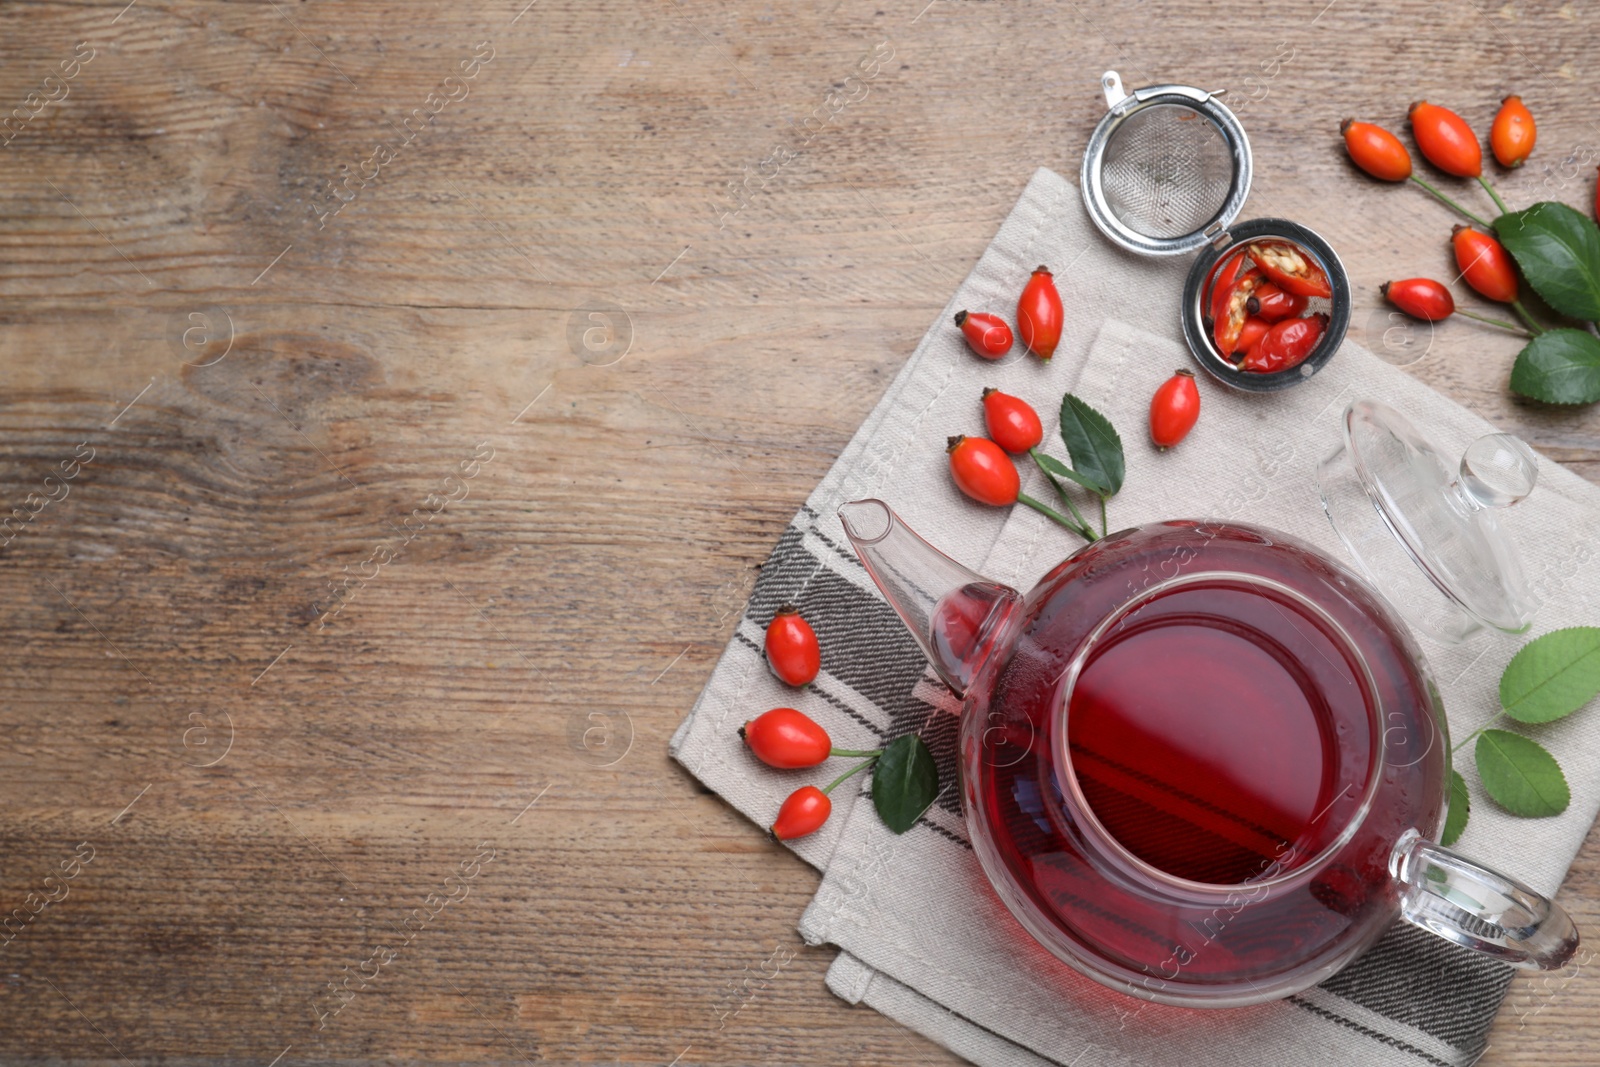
(1270, 288)
(1166, 173)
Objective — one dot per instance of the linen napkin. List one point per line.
(924, 939)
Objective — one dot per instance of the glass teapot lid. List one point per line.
(1440, 513)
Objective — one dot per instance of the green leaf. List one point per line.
(1093, 444)
(1553, 676)
(1460, 809)
(1559, 367)
(1054, 466)
(1520, 775)
(1558, 250)
(904, 782)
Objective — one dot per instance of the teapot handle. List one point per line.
(1449, 895)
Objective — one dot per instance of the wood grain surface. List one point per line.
(354, 645)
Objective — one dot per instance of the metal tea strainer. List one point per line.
(1166, 172)
(1166, 165)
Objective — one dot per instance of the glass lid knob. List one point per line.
(1498, 470)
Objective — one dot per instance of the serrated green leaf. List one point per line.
(1093, 444)
(1553, 676)
(1558, 250)
(1559, 367)
(1460, 810)
(1054, 466)
(1520, 775)
(904, 782)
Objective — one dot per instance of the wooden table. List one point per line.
(399, 537)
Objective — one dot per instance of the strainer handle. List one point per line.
(1111, 85)
(1472, 906)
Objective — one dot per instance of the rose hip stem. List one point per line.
(1430, 187)
(1502, 323)
(1522, 313)
(1083, 529)
(1048, 512)
(853, 770)
(1501, 204)
(873, 753)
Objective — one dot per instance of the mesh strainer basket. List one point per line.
(1166, 173)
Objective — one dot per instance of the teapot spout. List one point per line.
(959, 617)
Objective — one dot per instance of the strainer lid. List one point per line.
(1166, 170)
(1443, 512)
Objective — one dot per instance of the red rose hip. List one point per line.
(1446, 140)
(1271, 304)
(792, 649)
(983, 471)
(803, 813)
(1174, 409)
(1421, 298)
(786, 739)
(1040, 315)
(1376, 151)
(988, 335)
(1513, 134)
(1286, 345)
(1012, 422)
(1485, 264)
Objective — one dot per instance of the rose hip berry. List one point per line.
(1376, 151)
(792, 649)
(1286, 345)
(1012, 422)
(1446, 140)
(988, 335)
(1271, 304)
(1513, 133)
(1174, 409)
(983, 471)
(1231, 287)
(1421, 298)
(1040, 315)
(786, 738)
(1290, 269)
(1485, 264)
(803, 813)
(1254, 330)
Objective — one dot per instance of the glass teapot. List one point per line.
(1201, 762)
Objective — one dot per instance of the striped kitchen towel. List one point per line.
(922, 937)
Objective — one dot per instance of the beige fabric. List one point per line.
(924, 939)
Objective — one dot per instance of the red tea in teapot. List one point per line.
(1197, 758)
(1214, 730)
